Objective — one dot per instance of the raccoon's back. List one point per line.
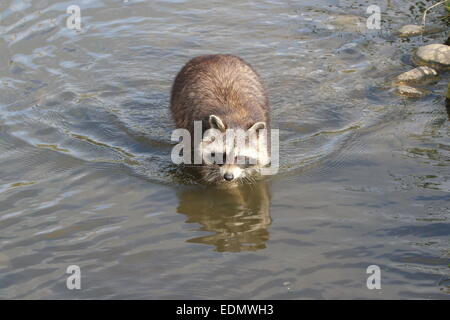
(223, 85)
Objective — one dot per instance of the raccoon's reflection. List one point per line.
(239, 217)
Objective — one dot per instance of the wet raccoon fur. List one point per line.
(223, 92)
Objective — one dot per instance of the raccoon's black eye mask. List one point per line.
(220, 157)
(248, 161)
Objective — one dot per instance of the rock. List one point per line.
(349, 23)
(411, 92)
(433, 55)
(420, 76)
(410, 30)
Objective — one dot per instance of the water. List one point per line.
(86, 179)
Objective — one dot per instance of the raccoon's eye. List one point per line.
(249, 162)
(218, 159)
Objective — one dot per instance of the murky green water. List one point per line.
(86, 179)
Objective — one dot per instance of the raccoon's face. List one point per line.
(233, 155)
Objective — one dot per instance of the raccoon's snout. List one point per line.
(228, 176)
(230, 172)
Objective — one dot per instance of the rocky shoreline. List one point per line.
(432, 61)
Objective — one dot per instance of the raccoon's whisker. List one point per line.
(250, 181)
(245, 179)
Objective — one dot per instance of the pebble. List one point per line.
(349, 23)
(410, 30)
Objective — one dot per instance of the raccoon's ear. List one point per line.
(216, 123)
(257, 126)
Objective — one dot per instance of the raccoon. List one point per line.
(223, 92)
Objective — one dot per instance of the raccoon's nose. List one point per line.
(228, 176)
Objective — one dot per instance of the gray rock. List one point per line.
(419, 76)
(433, 55)
(411, 30)
(412, 92)
(348, 23)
